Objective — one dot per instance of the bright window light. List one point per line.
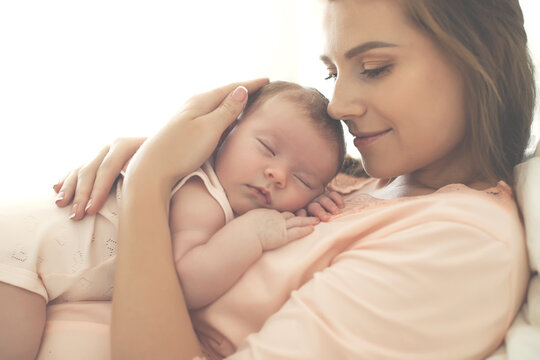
(74, 75)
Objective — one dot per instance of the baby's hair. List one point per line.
(314, 103)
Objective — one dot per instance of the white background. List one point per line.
(74, 75)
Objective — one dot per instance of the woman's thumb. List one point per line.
(231, 107)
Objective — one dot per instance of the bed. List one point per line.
(81, 330)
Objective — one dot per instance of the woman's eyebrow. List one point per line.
(367, 46)
(361, 49)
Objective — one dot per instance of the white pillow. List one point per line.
(522, 342)
(527, 190)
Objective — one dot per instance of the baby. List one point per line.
(275, 159)
(280, 155)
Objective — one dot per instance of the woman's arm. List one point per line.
(150, 318)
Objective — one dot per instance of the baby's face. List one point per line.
(275, 158)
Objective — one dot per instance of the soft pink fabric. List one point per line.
(430, 277)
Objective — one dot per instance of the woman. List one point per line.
(427, 260)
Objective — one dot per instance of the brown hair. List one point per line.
(487, 42)
(314, 103)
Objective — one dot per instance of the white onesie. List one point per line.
(42, 251)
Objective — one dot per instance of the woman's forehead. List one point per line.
(350, 23)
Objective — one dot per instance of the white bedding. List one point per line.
(522, 341)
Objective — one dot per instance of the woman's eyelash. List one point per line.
(373, 73)
(331, 76)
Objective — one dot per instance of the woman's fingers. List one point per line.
(85, 182)
(59, 184)
(205, 103)
(229, 109)
(195, 130)
(67, 189)
(87, 187)
(114, 161)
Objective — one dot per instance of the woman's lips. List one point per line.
(366, 139)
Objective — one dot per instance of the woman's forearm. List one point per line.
(150, 319)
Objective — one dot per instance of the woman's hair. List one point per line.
(487, 42)
(311, 100)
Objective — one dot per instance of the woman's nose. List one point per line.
(276, 175)
(347, 102)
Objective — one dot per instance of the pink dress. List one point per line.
(438, 276)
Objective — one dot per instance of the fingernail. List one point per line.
(88, 205)
(74, 211)
(60, 196)
(240, 93)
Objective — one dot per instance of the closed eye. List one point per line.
(305, 183)
(268, 148)
(374, 73)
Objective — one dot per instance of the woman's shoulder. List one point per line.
(492, 210)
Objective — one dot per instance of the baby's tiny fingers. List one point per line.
(317, 210)
(301, 212)
(299, 232)
(329, 205)
(337, 198)
(287, 215)
(299, 221)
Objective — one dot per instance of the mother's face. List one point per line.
(398, 94)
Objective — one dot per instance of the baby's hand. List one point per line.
(324, 206)
(275, 229)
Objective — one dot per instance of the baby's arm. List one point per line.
(211, 257)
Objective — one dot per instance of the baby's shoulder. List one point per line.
(193, 207)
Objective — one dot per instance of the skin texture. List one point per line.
(398, 86)
(275, 160)
(412, 94)
(279, 150)
(145, 326)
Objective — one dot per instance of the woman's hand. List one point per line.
(143, 323)
(190, 137)
(324, 206)
(88, 186)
